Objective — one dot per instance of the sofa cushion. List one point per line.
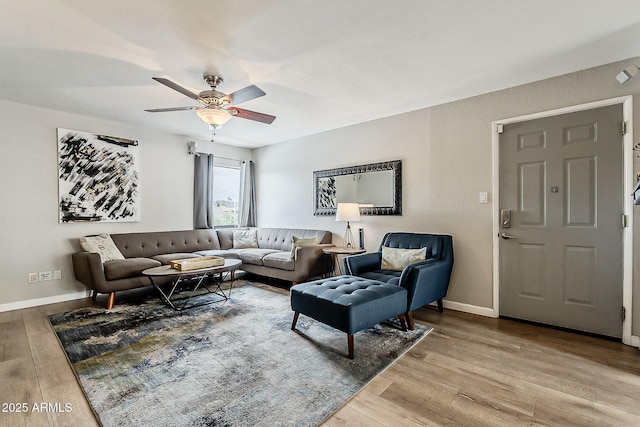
(165, 242)
(280, 260)
(302, 241)
(167, 258)
(103, 245)
(243, 239)
(125, 268)
(231, 254)
(282, 238)
(397, 259)
(255, 256)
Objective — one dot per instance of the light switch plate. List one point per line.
(483, 197)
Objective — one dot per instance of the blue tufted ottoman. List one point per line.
(349, 303)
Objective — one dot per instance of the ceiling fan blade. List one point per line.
(176, 87)
(243, 95)
(252, 115)
(161, 110)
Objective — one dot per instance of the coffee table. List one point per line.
(190, 277)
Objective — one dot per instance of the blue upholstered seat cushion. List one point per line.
(387, 276)
(349, 303)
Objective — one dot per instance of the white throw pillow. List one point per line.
(301, 241)
(103, 245)
(243, 239)
(397, 259)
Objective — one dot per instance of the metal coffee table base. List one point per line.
(180, 304)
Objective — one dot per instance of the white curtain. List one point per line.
(247, 212)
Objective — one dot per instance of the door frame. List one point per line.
(628, 178)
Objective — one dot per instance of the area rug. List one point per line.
(231, 363)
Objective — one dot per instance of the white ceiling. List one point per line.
(324, 64)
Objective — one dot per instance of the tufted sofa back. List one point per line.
(274, 238)
(438, 245)
(134, 245)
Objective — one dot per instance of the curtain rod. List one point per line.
(192, 150)
(197, 153)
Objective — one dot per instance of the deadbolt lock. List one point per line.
(505, 218)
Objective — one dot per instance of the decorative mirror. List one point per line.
(377, 187)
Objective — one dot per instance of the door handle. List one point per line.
(507, 236)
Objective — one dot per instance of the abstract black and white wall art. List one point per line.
(327, 192)
(98, 178)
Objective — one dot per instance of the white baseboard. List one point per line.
(468, 308)
(44, 301)
(635, 341)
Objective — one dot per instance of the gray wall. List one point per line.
(447, 160)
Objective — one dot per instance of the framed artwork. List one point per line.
(98, 178)
(377, 187)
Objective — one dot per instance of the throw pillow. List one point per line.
(103, 245)
(243, 239)
(397, 259)
(301, 241)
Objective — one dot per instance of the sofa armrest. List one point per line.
(426, 281)
(88, 269)
(312, 261)
(355, 265)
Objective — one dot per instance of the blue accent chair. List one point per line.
(425, 281)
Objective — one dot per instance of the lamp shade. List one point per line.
(214, 116)
(348, 212)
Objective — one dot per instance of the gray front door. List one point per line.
(561, 185)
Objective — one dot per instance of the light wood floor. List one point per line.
(470, 370)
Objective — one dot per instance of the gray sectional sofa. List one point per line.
(272, 257)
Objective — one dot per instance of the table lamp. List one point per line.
(348, 212)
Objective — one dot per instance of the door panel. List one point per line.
(532, 204)
(531, 273)
(562, 179)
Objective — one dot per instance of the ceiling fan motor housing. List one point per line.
(213, 80)
(213, 97)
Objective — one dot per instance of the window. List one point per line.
(226, 194)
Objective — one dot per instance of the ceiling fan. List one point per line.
(217, 108)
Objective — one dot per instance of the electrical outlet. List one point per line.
(43, 276)
(57, 274)
(33, 277)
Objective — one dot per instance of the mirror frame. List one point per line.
(395, 166)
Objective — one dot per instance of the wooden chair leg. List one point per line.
(410, 319)
(110, 300)
(403, 322)
(440, 306)
(295, 320)
(350, 344)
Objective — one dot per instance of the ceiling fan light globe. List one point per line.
(214, 116)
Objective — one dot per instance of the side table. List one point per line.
(336, 251)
